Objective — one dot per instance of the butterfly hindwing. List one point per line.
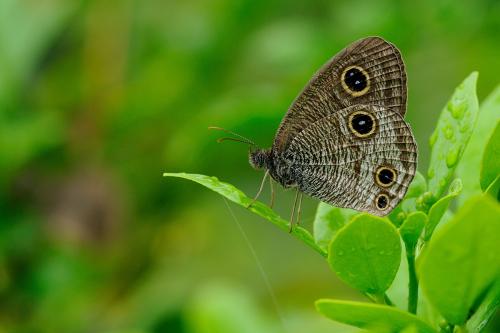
(362, 157)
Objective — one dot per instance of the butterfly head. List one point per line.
(259, 158)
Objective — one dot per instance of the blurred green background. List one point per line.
(98, 98)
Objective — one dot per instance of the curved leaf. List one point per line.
(366, 254)
(369, 316)
(328, 221)
(494, 189)
(235, 195)
(490, 167)
(471, 161)
(462, 260)
(486, 310)
(439, 208)
(412, 227)
(453, 131)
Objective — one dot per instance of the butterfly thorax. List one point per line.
(278, 168)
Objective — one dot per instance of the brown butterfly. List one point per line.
(344, 140)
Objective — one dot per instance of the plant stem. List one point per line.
(413, 282)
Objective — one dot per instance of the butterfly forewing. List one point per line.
(369, 71)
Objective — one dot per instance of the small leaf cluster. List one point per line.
(451, 254)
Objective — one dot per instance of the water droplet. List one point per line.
(452, 158)
(465, 127)
(448, 132)
(458, 110)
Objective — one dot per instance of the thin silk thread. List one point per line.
(259, 266)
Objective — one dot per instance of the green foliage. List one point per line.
(458, 266)
(328, 221)
(97, 97)
(472, 159)
(462, 260)
(366, 254)
(452, 133)
(412, 227)
(439, 208)
(490, 168)
(486, 310)
(232, 193)
(378, 318)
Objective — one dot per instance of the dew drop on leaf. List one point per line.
(452, 158)
(448, 132)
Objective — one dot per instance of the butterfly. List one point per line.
(344, 139)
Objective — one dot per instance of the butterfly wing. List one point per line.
(344, 160)
(372, 67)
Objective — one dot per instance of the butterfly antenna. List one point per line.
(239, 138)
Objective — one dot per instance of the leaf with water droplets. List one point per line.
(490, 168)
(452, 134)
(439, 208)
(328, 221)
(373, 317)
(470, 163)
(461, 261)
(235, 195)
(366, 253)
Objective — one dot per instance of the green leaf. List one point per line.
(235, 195)
(369, 316)
(471, 161)
(462, 260)
(494, 189)
(366, 254)
(439, 208)
(453, 131)
(486, 310)
(490, 168)
(328, 221)
(412, 227)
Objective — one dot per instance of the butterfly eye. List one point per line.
(362, 124)
(355, 81)
(381, 201)
(385, 176)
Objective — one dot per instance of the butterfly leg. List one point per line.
(260, 189)
(293, 211)
(272, 193)
(299, 208)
